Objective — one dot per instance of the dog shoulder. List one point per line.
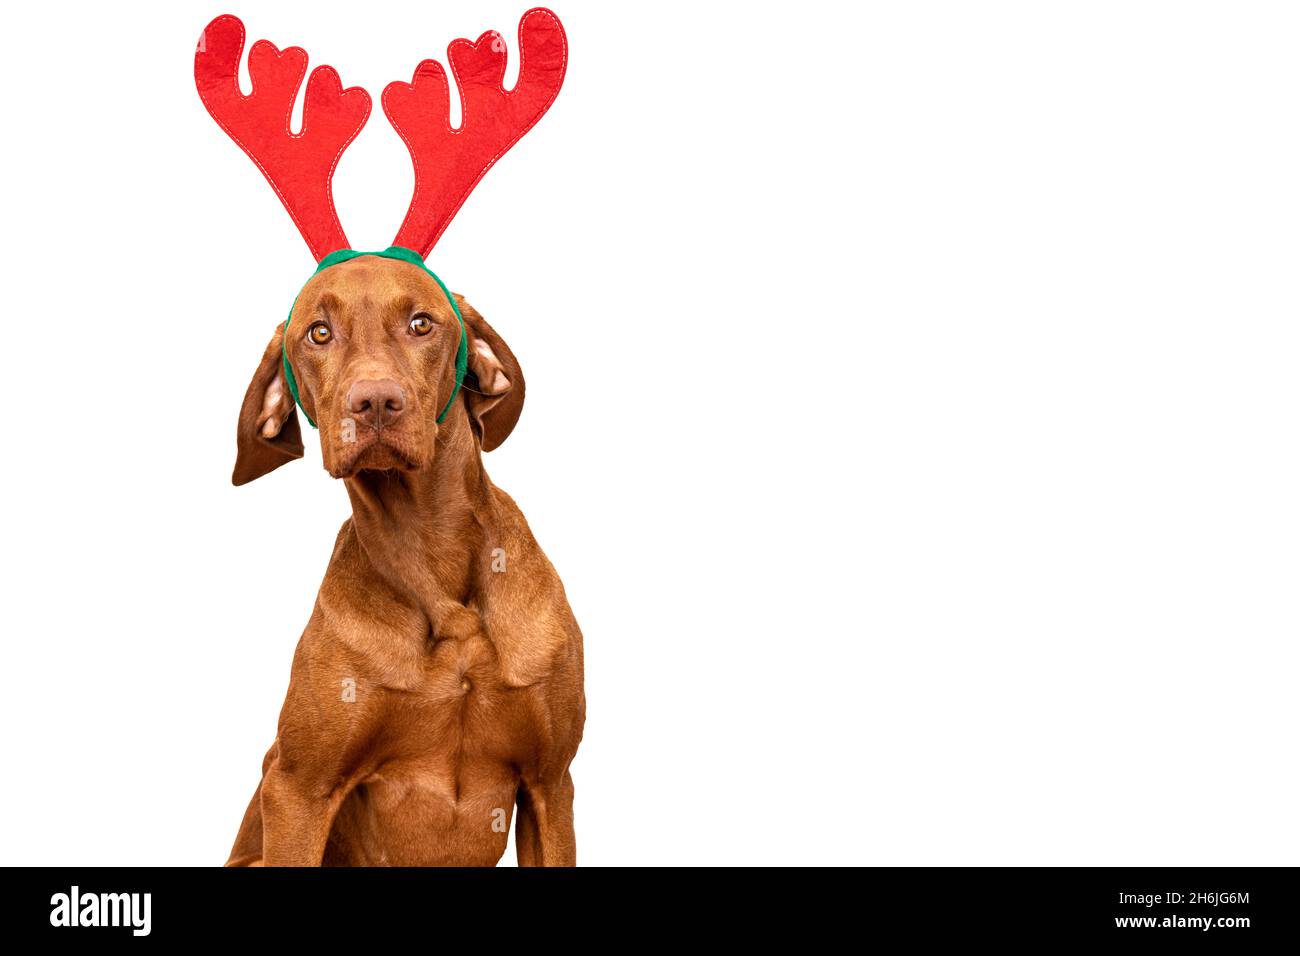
(523, 604)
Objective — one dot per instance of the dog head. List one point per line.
(372, 343)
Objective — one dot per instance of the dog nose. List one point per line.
(376, 403)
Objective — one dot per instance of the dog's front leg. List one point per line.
(296, 818)
(544, 824)
(322, 748)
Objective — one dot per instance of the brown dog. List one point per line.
(439, 681)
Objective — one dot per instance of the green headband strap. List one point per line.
(392, 252)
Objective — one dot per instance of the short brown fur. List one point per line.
(439, 616)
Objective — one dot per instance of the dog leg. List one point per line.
(296, 821)
(544, 825)
(247, 850)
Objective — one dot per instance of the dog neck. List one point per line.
(423, 531)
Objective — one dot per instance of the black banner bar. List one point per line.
(1226, 907)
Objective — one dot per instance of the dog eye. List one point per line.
(320, 333)
(421, 325)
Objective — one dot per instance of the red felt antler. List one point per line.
(299, 166)
(450, 162)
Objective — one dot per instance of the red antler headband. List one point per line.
(448, 162)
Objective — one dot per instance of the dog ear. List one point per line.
(269, 434)
(494, 386)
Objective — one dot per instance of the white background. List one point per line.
(912, 417)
